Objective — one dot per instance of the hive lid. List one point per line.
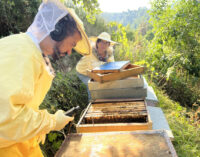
(109, 144)
(111, 67)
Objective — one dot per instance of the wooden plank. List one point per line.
(118, 93)
(130, 82)
(92, 128)
(84, 113)
(119, 104)
(117, 100)
(112, 67)
(118, 144)
(120, 116)
(132, 70)
(121, 110)
(127, 113)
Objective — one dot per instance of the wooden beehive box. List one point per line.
(122, 93)
(130, 70)
(130, 82)
(118, 144)
(115, 115)
(131, 87)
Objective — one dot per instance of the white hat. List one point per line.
(49, 13)
(103, 36)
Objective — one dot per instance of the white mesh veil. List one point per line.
(49, 13)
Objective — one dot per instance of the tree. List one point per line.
(118, 33)
(17, 15)
(174, 51)
(91, 8)
(177, 34)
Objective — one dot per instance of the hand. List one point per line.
(61, 120)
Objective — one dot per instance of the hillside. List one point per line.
(131, 17)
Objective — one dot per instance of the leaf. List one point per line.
(52, 137)
(169, 71)
(179, 108)
(57, 144)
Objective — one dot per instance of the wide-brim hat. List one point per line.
(103, 36)
(83, 46)
(49, 13)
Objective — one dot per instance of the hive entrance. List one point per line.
(120, 112)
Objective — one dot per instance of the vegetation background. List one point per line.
(165, 39)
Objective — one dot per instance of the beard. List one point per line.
(57, 59)
(57, 54)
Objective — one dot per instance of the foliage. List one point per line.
(184, 127)
(187, 93)
(16, 15)
(92, 29)
(65, 63)
(65, 93)
(52, 143)
(174, 51)
(139, 46)
(89, 7)
(118, 34)
(176, 39)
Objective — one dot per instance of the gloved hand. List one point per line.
(61, 120)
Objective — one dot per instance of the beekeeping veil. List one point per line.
(49, 13)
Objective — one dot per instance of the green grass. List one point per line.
(186, 134)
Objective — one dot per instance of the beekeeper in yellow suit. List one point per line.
(26, 76)
(102, 52)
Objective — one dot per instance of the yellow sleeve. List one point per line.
(90, 62)
(87, 62)
(110, 54)
(111, 59)
(18, 122)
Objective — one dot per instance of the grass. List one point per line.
(186, 133)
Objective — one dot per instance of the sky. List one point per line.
(122, 5)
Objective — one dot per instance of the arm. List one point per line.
(110, 54)
(87, 62)
(18, 121)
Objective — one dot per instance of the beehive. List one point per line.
(115, 115)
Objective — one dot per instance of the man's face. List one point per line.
(65, 46)
(103, 45)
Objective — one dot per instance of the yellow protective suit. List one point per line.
(91, 61)
(24, 82)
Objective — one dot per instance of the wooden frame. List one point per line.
(86, 128)
(131, 70)
(149, 143)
